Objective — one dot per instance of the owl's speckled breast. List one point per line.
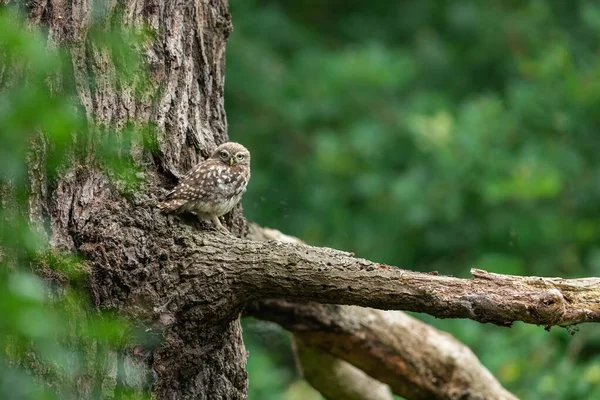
(223, 207)
(225, 195)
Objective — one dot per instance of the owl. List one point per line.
(214, 186)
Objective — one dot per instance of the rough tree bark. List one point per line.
(190, 283)
(202, 355)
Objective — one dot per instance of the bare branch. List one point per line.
(297, 271)
(335, 378)
(416, 360)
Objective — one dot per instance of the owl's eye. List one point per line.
(240, 157)
(224, 155)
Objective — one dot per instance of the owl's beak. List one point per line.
(230, 162)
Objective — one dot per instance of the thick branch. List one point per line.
(296, 271)
(335, 378)
(416, 360)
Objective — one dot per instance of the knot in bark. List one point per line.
(551, 306)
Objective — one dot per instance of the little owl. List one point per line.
(214, 186)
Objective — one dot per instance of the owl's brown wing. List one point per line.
(194, 186)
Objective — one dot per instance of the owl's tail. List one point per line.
(171, 205)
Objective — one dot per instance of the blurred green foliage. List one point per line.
(432, 135)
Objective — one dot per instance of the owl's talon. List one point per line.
(217, 223)
(227, 233)
(221, 228)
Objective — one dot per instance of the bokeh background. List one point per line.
(431, 135)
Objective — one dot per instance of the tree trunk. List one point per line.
(202, 355)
